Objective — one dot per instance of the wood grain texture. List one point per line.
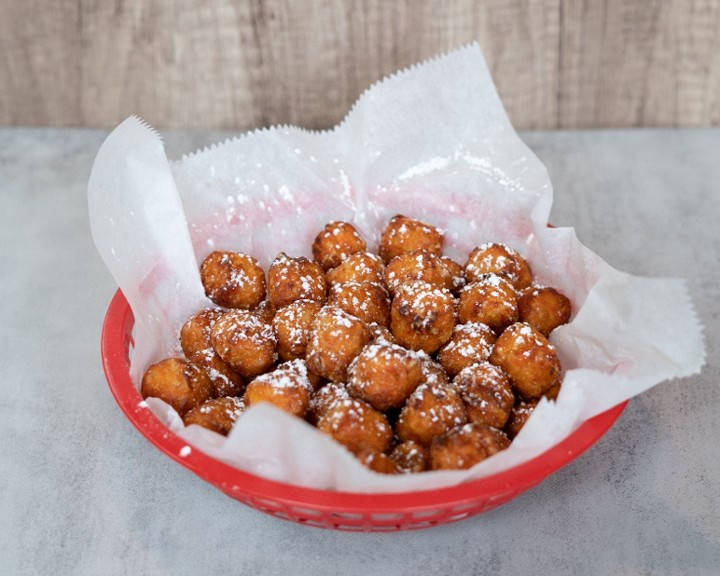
(245, 64)
(644, 63)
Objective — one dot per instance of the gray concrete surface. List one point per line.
(81, 492)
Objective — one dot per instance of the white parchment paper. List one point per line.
(431, 142)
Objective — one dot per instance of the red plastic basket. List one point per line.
(332, 509)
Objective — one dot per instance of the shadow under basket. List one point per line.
(362, 512)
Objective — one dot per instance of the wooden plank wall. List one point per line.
(243, 64)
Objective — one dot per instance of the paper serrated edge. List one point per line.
(431, 61)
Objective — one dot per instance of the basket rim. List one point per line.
(240, 484)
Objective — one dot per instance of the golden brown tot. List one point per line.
(519, 415)
(377, 461)
(285, 387)
(245, 342)
(431, 410)
(265, 311)
(335, 339)
(470, 343)
(432, 371)
(381, 333)
(195, 333)
(368, 301)
(360, 267)
(417, 265)
(196, 343)
(410, 456)
(225, 380)
(422, 316)
(528, 359)
(357, 426)
(335, 243)
(218, 414)
(178, 382)
(384, 375)
(324, 398)
(403, 234)
(487, 394)
(496, 258)
(544, 308)
(233, 280)
(291, 326)
(491, 300)
(465, 446)
(457, 273)
(291, 279)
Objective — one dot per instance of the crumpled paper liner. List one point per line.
(432, 142)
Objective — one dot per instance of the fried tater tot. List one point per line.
(528, 359)
(487, 393)
(384, 375)
(245, 342)
(417, 265)
(422, 316)
(196, 343)
(336, 243)
(457, 273)
(291, 326)
(291, 279)
(287, 387)
(177, 381)
(335, 339)
(233, 280)
(381, 333)
(544, 308)
(465, 446)
(410, 457)
(489, 299)
(431, 410)
(324, 398)
(521, 411)
(360, 267)
(470, 343)
(368, 301)
(496, 258)
(265, 311)
(377, 461)
(195, 332)
(225, 380)
(403, 234)
(357, 426)
(432, 371)
(218, 414)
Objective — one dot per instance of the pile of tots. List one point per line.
(407, 358)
